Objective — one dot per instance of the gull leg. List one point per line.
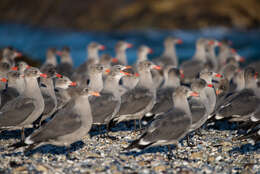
(22, 135)
(169, 154)
(140, 124)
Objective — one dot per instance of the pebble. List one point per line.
(214, 153)
(160, 168)
(218, 158)
(197, 155)
(42, 169)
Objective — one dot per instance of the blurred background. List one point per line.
(34, 25)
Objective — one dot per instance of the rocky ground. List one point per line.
(215, 151)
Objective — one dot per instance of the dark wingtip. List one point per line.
(111, 124)
(28, 150)
(135, 144)
(17, 145)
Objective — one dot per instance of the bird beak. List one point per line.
(210, 85)
(233, 50)
(218, 75)
(95, 93)
(242, 59)
(73, 84)
(129, 45)
(18, 54)
(156, 67)
(126, 73)
(107, 71)
(59, 53)
(15, 68)
(4, 80)
(102, 47)
(181, 73)
(114, 60)
(59, 75)
(128, 67)
(211, 42)
(218, 92)
(193, 94)
(28, 66)
(179, 41)
(43, 75)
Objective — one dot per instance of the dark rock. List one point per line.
(136, 14)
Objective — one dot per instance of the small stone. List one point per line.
(142, 163)
(197, 155)
(226, 143)
(21, 169)
(219, 158)
(92, 155)
(160, 168)
(42, 169)
(211, 159)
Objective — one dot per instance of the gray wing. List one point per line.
(47, 68)
(135, 101)
(198, 110)
(164, 101)
(49, 104)
(65, 121)
(171, 126)
(103, 107)
(162, 61)
(62, 97)
(257, 114)
(7, 95)
(191, 68)
(241, 104)
(16, 111)
(255, 65)
(82, 68)
(65, 69)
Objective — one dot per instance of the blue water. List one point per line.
(34, 41)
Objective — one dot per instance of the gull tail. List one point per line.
(138, 144)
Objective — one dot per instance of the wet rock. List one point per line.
(135, 14)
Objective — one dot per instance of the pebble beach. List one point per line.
(214, 151)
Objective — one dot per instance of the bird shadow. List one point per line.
(153, 149)
(120, 127)
(150, 150)
(51, 149)
(244, 149)
(14, 134)
(222, 125)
